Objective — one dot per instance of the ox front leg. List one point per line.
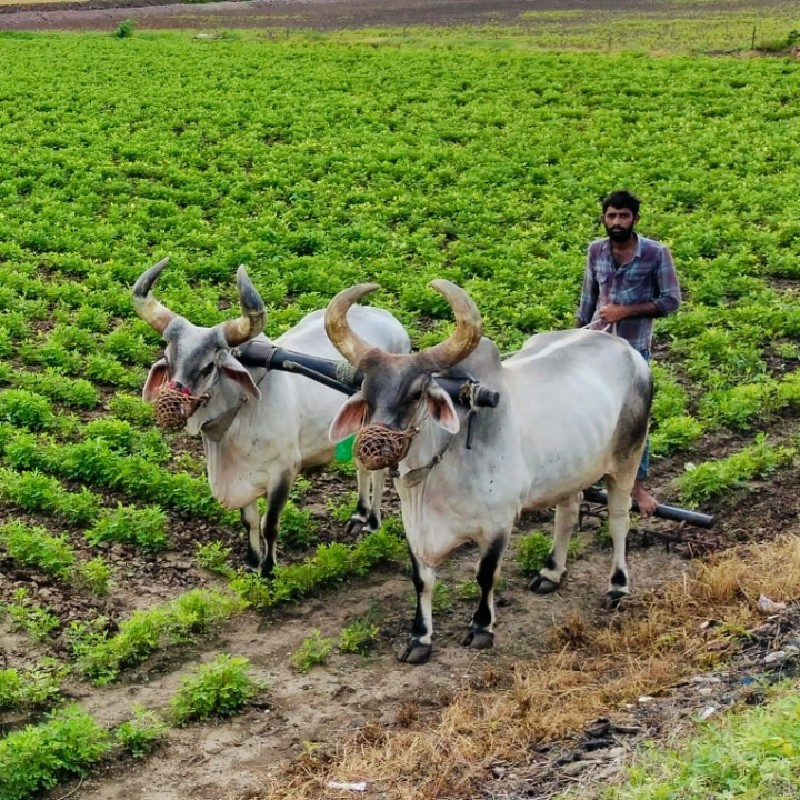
(418, 649)
(270, 523)
(370, 493)
(549, 577)
(249, 517)
(480, 634)
(619, 522)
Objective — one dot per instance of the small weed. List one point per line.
(214, 556)
(95, 575)
(358, 637)
(218, 689)
(314, 650)
(141, 734)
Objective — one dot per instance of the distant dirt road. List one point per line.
(293, 14)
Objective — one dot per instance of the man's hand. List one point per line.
(613, 313)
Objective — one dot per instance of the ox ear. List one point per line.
(349, 418)
(441, 408)
(232, 369)
(159, 373)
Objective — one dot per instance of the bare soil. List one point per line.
(323, 15)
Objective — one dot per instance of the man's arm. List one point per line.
(668, 300)
(590, 291)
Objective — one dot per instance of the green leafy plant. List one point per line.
(141, 734)
(25, 409)
(146, 527)
(314, 650)
(358, 637)
(36, 547)
(215, 556)
(218, 689)
(533, 548)
(125, 29)
(37, 620)
(95, 574)
(39, 756)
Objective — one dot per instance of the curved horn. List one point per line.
(344, 339)
(147, 307)
(465, 338)
(251, 323)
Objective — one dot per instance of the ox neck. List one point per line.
(429, 457)
(214, 429)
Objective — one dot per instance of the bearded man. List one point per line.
(629, 281)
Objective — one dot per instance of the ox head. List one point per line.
(197, 361)
(398, 389)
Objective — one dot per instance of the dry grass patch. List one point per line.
(643, 648)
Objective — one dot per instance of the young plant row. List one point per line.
(71, 742)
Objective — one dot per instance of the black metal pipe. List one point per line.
(595, 495)
(341, 376)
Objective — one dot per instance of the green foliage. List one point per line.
(138, 736)
(125, 29)
(669, 398)
(218, 689)
(215, 556)
(146, 527)
(36, 547)
(358, 637)
(95, 574)
(314, 650)
(34, 491)
(343, 511)
(711, 478)
(442, 598)
(37, 687)
(101, 657)
(332, 564)
(533, 548)
(468, 590)
(674, 433)
(297, 529)
(132, 409)
(26, 615)
(751, 755)
(39, 756)
(25, 409)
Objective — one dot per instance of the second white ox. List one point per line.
(574, 408)
(259, 428)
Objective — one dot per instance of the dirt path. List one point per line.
(287, 15)
(235, 758)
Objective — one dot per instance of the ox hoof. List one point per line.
(477, 639)
(542, 585)
(355, 524)
(613, 599)
(415, 652)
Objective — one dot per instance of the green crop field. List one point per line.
(318, 163)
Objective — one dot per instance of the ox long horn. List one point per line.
(147, 307)
(464, 339)
(344, 338)
(251, 323)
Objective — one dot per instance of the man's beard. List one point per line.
(619, 234)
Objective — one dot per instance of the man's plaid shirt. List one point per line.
(649, 278)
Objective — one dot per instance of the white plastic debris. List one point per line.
(706, 713)
(767, 606)
(360, 786)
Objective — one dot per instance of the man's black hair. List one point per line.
(621, 199)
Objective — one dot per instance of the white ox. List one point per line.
(574, 408)
(259, 428)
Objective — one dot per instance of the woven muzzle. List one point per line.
(380, 447)
(174, 405)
